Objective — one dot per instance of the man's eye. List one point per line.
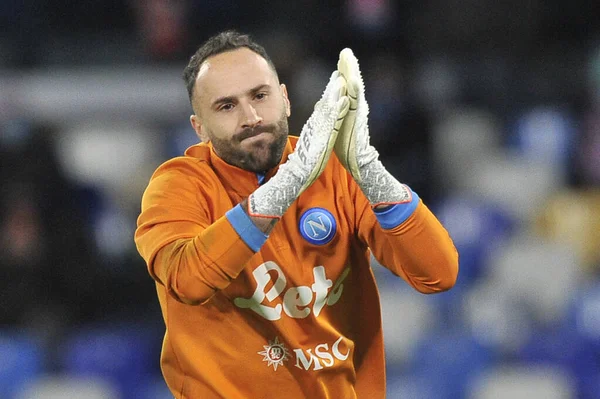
(226, 107)
(260, 96)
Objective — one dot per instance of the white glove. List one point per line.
(353, 149)
(308, 161)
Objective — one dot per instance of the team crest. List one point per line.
(317, 226)
(275, 353)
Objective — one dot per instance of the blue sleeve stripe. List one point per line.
(398, 213)
(247, 230)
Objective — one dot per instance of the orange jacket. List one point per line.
(297, 319)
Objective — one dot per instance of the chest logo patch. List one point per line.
(275, 353)
(317, 226)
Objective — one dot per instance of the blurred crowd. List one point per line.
(489, 110)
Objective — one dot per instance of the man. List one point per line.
(259, 243)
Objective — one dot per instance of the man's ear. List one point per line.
(288, 106)
(198, 128)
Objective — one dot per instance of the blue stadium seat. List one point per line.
(448, 360)
(21, 361)
(410, 385)
(407, 316)
(476, 227)
(583, 323)
(584, 314)
(153, 387)
(589, 385)
(564, 348)
(124, 355)
(547, 134)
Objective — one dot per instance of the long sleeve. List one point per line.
(184, 250)
(303, 302)
(419, 250)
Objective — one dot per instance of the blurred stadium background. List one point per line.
(489, 109)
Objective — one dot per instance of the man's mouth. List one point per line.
(255, 137)
(252, 133)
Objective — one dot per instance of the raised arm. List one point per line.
(400, 230)
(194, 256)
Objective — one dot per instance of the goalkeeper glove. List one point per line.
(310, 157)
(353, 146)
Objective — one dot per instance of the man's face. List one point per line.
(240, 106)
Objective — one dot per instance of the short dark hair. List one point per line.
(220, 43)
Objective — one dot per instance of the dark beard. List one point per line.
(255, 160)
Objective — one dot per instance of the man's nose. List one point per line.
(250, 117)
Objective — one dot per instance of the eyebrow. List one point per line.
(229, 99)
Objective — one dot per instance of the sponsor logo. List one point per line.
(317, 358)
(275, 353)
(317, 226)
(296, 301)
(322, 355)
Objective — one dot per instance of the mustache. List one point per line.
(254, 131)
